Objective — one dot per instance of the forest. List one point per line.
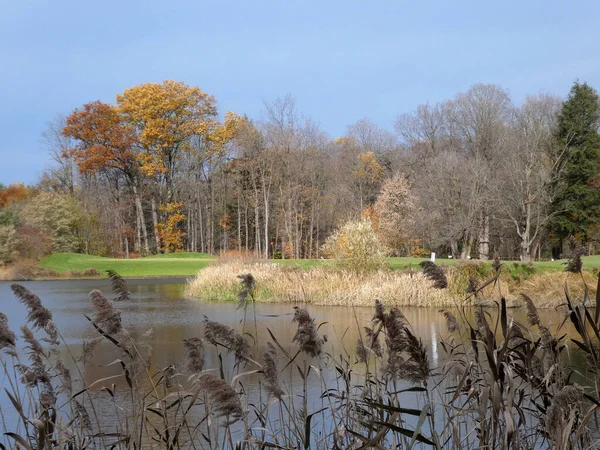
(163, 170)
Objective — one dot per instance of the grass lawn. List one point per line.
(181, 264)
(186, 264)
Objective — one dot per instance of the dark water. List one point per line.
(160, 305)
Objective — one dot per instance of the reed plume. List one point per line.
(7, 337)
(306, 336)
(36, 373)
(270, 372)
(451, 322)
(563, 403)
(435, 274)
(119, 286)
(194, 355)
(248, 284)
(416, 366)
(533, 317)
(219, 334)
(82, 415)
(223, 397)
(38, 315)
(107, 317)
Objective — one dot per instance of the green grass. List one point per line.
(178, 264)
(186, 264)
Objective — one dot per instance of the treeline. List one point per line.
(159, 171)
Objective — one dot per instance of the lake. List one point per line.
(159, 304)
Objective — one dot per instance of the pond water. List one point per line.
(159, 304)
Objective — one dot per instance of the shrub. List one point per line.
(356, 246)
(8, 243)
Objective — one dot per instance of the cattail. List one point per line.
(119, 286)
(532, 315)
(223, 397)
(248, 285)
(271, 373)
(38, 315)
(219, 334)
(563, 403)
(306, 336)
(107, 317)
(451, 322)
(7, 337)
(194, 356)
(434, 273)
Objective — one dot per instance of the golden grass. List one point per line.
(318, 286)
(547, 289)
(330, 286)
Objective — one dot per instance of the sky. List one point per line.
(342, 60)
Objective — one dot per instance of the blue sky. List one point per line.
(341, 60)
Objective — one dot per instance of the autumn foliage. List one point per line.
(169, 231)
(14, 193)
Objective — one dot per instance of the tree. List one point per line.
(165, 117)
(528, 169)
(8, 243)
(576, 205)
(396, 209)
(169, 231)
(104, 144)
(355, 246)
(58, 215)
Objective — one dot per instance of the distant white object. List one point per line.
(469, 257)
(552, 259)
(449, 256)
(432, 256)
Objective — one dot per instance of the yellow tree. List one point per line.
(368, 174)
(169, 231)
(166, 116)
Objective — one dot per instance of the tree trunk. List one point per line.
(155, 225)
(484, 237)
(142, 222)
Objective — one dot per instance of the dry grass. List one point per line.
(548, 289)
(330, 286)
(318, 286)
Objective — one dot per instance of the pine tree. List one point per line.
(576, 204)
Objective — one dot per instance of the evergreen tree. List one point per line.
(576, 204)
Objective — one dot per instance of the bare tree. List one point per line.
(528, 168)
